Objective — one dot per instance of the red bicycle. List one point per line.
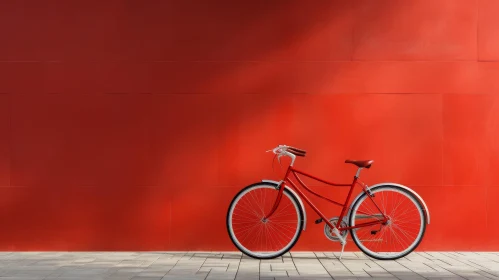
(386, 221)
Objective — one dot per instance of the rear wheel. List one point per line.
(257, 237)
(400, 235)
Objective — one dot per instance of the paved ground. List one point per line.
(232, 265)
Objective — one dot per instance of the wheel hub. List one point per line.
(389, 221)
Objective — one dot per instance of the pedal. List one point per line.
(318, 221)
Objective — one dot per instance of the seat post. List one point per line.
(358, 172)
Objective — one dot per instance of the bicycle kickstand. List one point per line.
(342, 248)
(343, 240)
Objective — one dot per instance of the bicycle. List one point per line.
(265, 219)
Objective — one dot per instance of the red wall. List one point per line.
(130, 125)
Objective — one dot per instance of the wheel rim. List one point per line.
(400, 235)
(255, 236)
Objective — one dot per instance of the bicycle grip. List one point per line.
(296, 151)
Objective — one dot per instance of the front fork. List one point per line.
(279, 196)
(276, 203)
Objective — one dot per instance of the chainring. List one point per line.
(329, 232)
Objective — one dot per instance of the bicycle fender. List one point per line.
(418, 197)
(297, 198)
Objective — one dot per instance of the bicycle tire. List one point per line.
(412, 247)
(271, 255)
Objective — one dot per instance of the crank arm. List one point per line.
(343, 240)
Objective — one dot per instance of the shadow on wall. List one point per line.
(106, 169)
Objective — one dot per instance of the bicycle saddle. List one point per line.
(360, 163)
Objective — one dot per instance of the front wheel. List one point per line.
(396, 238)
(264, 238)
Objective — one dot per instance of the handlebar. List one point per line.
(284, 148)
(292, 152)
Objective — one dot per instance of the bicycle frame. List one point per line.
(344, 206)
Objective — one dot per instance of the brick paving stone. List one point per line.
(234, 265)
